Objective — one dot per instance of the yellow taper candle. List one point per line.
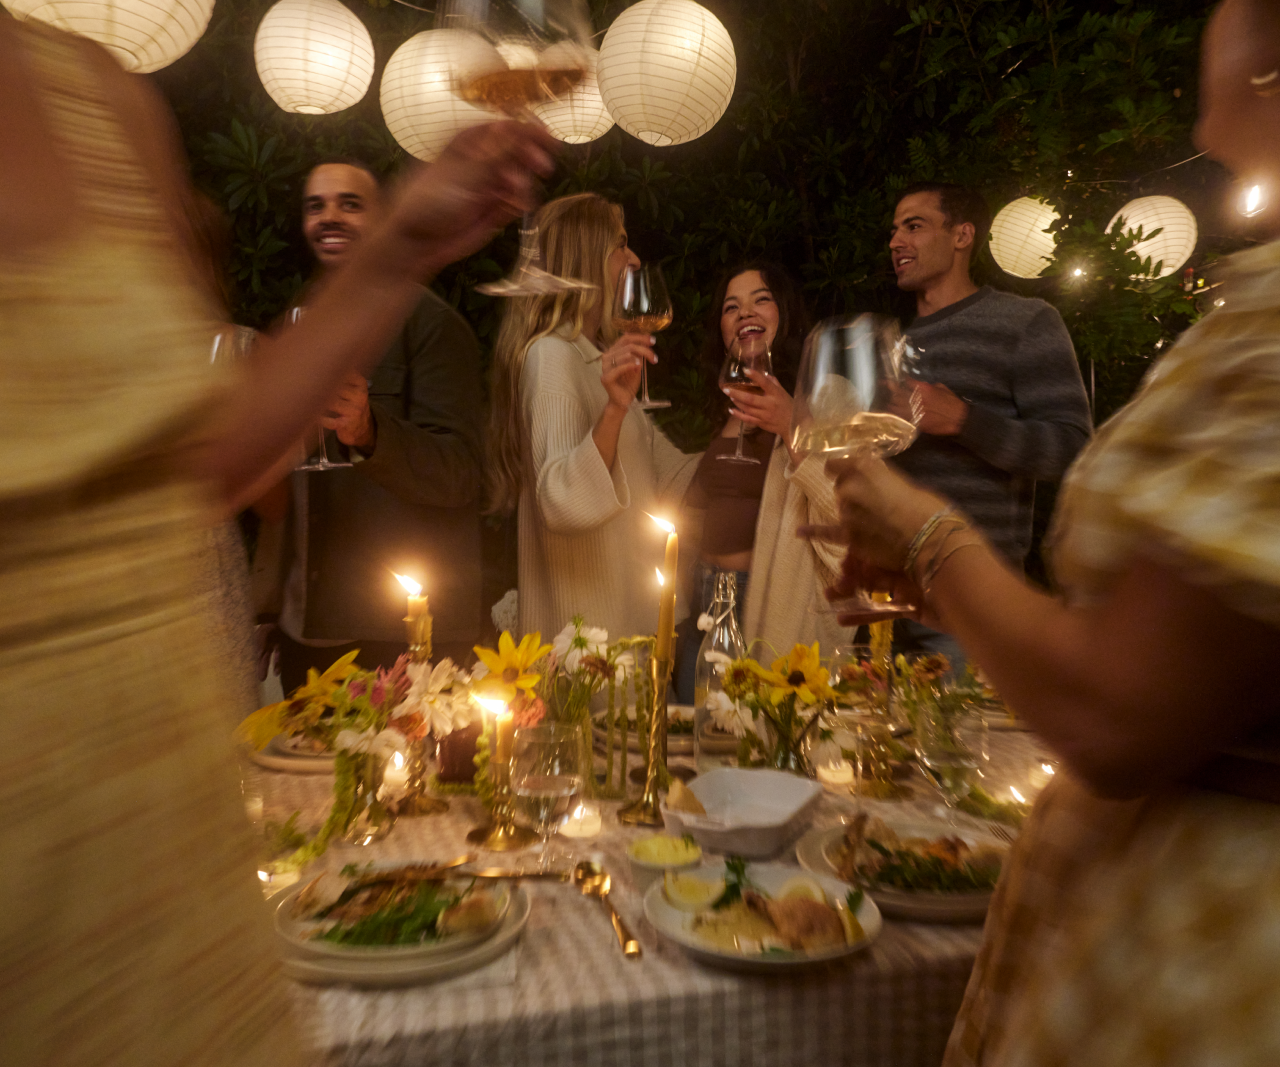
(667, 602)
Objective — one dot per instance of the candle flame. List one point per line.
(397, 760)
(410, 586)
(1017, 796)
(661, 580)
(492, 705)
(661, 522)
(1047, 768)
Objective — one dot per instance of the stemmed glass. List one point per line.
(850, 373)
(944, 753)
(746, 353)
(529, 52)
(546, 774)
(641, 304)
(320, 461)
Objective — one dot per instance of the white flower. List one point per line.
(381, 743)
(506, 612)
(718, 660)
(625, 664)
(572, 643)
(705, 622)
(726, 714)
(440, 696)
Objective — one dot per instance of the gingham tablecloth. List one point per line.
(566, 996)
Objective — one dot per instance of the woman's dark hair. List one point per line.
(793, 323)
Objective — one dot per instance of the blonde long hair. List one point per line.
(577, 235)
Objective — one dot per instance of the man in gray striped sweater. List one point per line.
(1004, 403)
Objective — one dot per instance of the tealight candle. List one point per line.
(583, 821)
(838, 773)
(396, 776)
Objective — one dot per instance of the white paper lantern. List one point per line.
(314, 57)
(580, 116)
(1019, 242)
(667, 70)
(144, 35)
(420, 103)
(1173, 246)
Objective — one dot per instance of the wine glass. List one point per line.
(944, 756)
(851, 372)
(641, 305)
(746, 353)
(525, 52)
(319, 461)
(546, 774)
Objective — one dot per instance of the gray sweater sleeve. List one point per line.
(1053, 422)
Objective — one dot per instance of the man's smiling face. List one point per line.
(339, 203)
(922, 245)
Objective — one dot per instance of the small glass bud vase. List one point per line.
(359, 775)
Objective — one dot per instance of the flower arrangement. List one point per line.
(787, 705)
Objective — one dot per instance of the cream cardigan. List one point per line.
(586, 545)
(788, 574)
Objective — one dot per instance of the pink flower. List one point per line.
(356, 688)
(528, 711)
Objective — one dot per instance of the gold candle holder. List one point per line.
(416, 800)
(646, 810)
(502, 834)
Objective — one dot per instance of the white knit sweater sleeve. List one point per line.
(820, 505)
(575, 490)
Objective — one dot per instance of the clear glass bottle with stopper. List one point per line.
(723, 638)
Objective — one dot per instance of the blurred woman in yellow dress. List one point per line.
(1137, 922)
(132, 932)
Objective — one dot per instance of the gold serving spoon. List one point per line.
(593, 880)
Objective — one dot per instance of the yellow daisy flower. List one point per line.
(801, 672)
(311, 697)
(509, 665)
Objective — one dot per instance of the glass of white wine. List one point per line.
(319, 460)
(851, 372)
(641, 304)
(746, 353)
(546, 774)
(527, 52)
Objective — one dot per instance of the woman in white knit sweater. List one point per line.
(751, 512)
(569, 448)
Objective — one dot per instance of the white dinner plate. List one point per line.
(815, 849)
(277, 757)
(294, 932)
(678, 925)
(390, 973)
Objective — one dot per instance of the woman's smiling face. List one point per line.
(748, 309)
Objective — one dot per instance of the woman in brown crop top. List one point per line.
(757, 298)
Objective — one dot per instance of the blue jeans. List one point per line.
(689, 637)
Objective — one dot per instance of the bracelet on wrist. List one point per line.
(923, 534)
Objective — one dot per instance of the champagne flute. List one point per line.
(525, 53)
(546, 774)
(320, 460)
(641, 304)
(850, 373)
(746, 353)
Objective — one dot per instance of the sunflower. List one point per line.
(509, 666)
(304, 707)
(801, 672)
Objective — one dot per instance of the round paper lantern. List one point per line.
(1172, 247)
(420, 103)
(666, 70)
(314, 56)
(144, 35)
(580, 116)
(1019, 242)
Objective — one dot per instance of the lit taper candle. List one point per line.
(418, 620)
(667, 601)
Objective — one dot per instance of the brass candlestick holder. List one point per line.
(502, 835)
(416, 800)
(646, 811)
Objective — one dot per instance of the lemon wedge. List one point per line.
(853, 932)
(689, 893)
(802, 886)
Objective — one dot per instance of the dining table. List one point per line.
(566, 995)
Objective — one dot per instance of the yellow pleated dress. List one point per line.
(132, 932)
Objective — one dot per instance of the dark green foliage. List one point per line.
(406, 922)
(909, 870)
(839, 105)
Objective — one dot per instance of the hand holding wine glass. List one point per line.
(750, 353)
(642, 305)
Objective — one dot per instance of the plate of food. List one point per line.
(679, 730)
(405, 912)
(299, 755)
(761, 917)
(921, 870)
